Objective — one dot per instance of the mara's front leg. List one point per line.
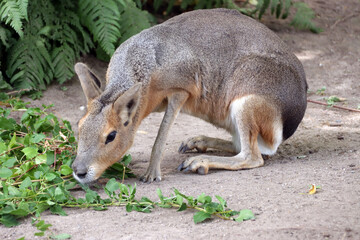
(175, 102)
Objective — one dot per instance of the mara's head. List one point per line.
(106, 131)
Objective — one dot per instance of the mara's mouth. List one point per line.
(87, 177)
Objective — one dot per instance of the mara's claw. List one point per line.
(150, 177)
(183, 148)
(195, 164)
(197, 143)
(180, 167)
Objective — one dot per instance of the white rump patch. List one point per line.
(236, 107)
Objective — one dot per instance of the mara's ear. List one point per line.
(90, 83)
(125, 106)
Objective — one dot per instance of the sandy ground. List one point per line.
(324, 151)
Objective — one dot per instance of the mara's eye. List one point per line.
(110, 137)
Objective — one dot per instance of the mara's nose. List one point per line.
(79, 170)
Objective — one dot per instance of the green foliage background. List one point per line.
(40, 40)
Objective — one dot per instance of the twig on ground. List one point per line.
(18, 91)
(344, 19)
(334, 106)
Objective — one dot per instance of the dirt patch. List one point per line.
(324, 151)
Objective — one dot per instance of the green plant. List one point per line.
(35, 158)
(332, 100)
(41, 40)
(281, 8)
(321, 91)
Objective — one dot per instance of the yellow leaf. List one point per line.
(313, 189)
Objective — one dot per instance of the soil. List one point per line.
(323, 151)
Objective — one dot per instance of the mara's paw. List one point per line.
(198, 143)
(151, 176)
(199, 164)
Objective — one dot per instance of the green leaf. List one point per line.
(39, 234)
(61, 236)
(112, 185)
(50, 203)
(159, 193)
(30, 152)
(3, 147)
(245, 214)
(25, 183)
(37, 137)
(12, 142)
(201, 216)
(50, 157)
(126, 159)
(129, 207)
(204, 199)
(57, 209)
(14, 191)
(59, 194)
(211, 207)
(221, 200)
(38, 174)
(20, 212)
(91, 196)
(7, 124)
(179, 199)
(9, 163)
(65, 170)
(5, 172)
(41, 159)
(50, 176)
(182, 207)
(9, 220)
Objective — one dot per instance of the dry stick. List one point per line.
(343, 19)
(26, 172)
(18, 91)
(334, 106)
(12, 149)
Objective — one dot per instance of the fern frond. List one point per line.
(12, 12)
(264, 4)
(303, 18)
(101, 17)
(80, 39)
(3, 84)
(185, 3)
(170, 6)
(63, 62)
(133, 20)
(29, 64)
(286, 6)
(23, 7)
(157, 4)
(4, 37)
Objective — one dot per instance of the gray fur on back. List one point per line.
(213, 40)
(223, 51)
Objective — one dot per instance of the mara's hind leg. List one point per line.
(202, 143)
(257, 125)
